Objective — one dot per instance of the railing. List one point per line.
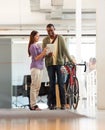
(91, 88)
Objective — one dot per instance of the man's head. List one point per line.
(50, 30)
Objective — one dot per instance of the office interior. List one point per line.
(81, 23)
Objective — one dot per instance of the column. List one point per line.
(5, 73)
(78, 42)
(100, 53)
(78, 30)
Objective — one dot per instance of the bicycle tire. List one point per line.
(69, 96)
(75, 94)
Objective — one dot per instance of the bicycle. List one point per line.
(72, 85)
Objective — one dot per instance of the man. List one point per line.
(54, 59)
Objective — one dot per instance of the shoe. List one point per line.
(67, 106)
(62, 107)
(36, 108)
(52, 107)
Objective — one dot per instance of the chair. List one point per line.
(26, 85)
(17, 91)
(26, 88)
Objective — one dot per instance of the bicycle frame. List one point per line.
(72, 71)
(72, 84)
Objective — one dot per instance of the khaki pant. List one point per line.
(36, 77)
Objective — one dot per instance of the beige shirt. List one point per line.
(55, 51)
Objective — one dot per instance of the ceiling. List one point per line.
(60, 12)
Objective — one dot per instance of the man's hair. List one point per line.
(50, 25)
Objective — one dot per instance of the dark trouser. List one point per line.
(54, 71)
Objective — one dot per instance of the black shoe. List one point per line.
(52, 107)
(63, 107)
(35, 108)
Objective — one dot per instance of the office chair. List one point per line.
(17, 91)
(26, 88)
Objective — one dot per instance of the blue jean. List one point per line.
(55, 76)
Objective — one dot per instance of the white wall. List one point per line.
(21, 62)
(89, 4)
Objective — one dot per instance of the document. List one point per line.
(50, 48)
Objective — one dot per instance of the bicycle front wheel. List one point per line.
(69, 96)
(75, 93)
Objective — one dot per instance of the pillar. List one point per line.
(100, 53)
(5, 73)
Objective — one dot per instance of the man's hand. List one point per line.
(50, 54)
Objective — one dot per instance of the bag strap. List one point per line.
(54, 39)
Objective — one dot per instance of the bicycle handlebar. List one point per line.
(84, 64)
(70, 64)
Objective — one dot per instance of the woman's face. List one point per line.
(36, 37)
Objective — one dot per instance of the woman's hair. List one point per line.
(31, 40)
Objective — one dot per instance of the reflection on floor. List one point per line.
(23, 119)
(27, 122)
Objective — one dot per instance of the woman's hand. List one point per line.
(42, 55)
(45, 51)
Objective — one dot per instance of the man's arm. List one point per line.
(66, 51)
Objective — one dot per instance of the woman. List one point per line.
(37, 55)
